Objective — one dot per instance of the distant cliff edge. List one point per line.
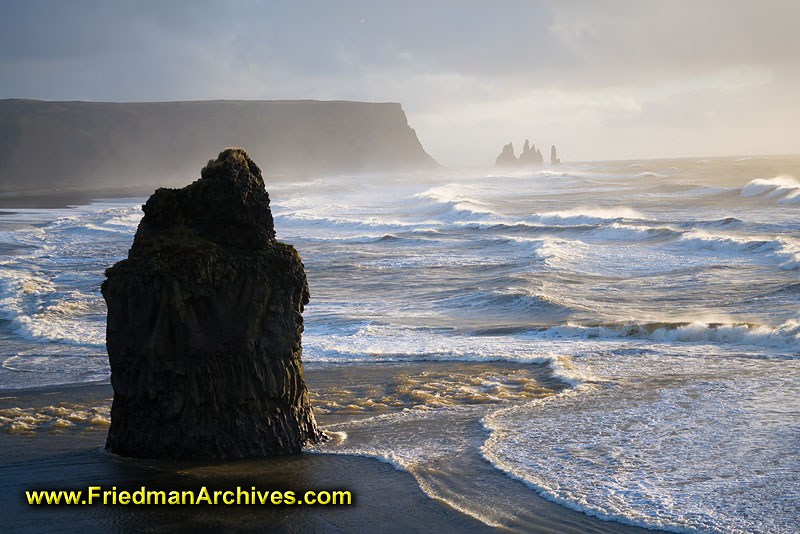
(52, 145)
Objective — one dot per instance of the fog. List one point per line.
(601, 80)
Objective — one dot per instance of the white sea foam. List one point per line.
(28, 420)
(128, 220)
(324, 220)
(384, 438)
(650, 453)
(50, 292)
(550, 250)
(39, 312)
(784, 337)
(785, 249)
(792, 198)
(461, 198)
(452, 192)
(102, 228)
(784, 186)
(587, 215)
(386, 343)
(630, 232)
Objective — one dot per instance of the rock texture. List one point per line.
(204, 325)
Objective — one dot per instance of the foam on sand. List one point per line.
(651, 450)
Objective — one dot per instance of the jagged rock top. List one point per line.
(228, 206)
(507, 157)
(204, 325)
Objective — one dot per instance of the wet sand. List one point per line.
(69, 455)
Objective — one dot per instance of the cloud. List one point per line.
(464, 70)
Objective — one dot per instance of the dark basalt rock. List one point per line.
(204, 325)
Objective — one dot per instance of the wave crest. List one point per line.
(782, 184)
(783, 337)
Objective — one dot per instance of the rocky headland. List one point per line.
(113, 145)
(204, 325)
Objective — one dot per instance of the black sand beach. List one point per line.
(71, 457)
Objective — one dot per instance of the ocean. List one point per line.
(619, 338)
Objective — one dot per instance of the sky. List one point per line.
(601, 80)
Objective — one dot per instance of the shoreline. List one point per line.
(384, 497)
(379, 494)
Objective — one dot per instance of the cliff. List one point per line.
(204, 325)
(56, 145)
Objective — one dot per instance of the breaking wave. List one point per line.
(784, 337)
(783, 186)
(786, 250)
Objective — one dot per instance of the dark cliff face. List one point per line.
(204, 325)
(58, 145)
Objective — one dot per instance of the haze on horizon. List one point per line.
(621, 79)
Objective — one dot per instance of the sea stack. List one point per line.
(204, 325)
(554, 156)
(507, 157)
(531, 156)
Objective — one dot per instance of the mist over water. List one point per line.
(660, 300)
